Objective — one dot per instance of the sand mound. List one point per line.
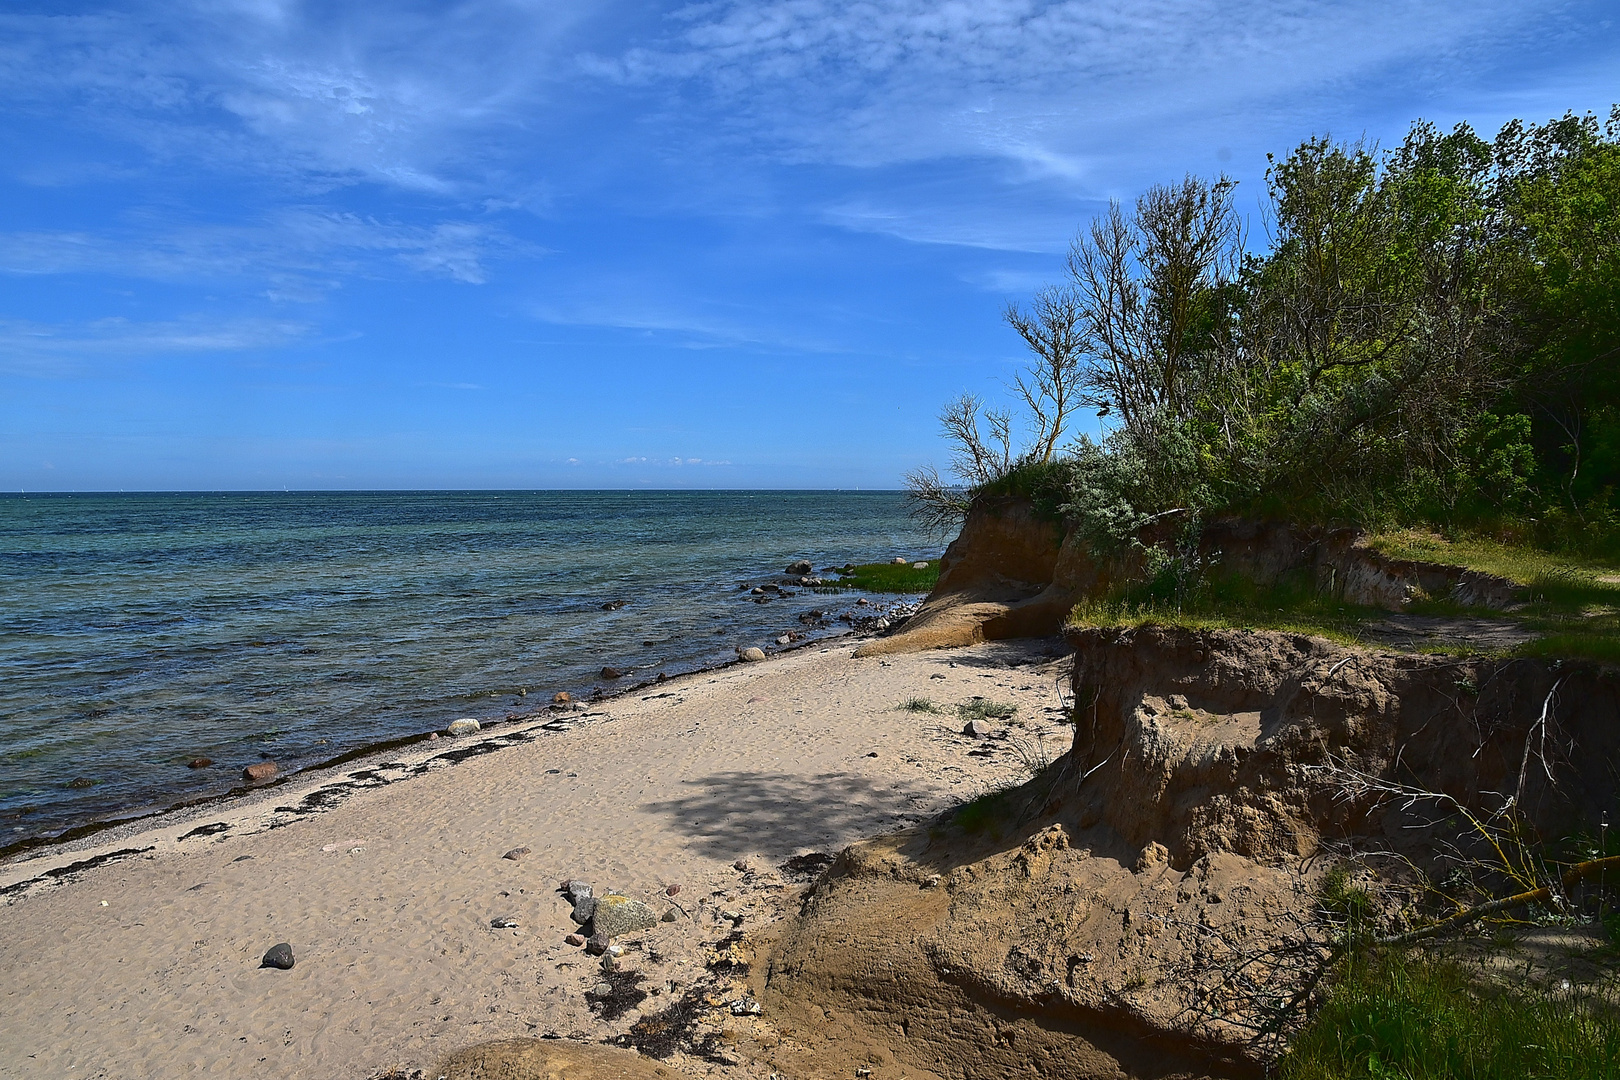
(1093, 922)
(549, 1059)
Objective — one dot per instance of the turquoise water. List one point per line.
(139, 632)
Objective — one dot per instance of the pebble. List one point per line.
(561, 697)
(752, 654)
(740, 864)
(900, 560)
(516, 853)
(612, 673)
(575, 939)
(264, 770)
(584, 909)
(602, 990)
(503, 923)
(576, 889)
(672, 890)
(279, 956)
(463, 727)
(784, 640)
(199, 763)
(863, 601)
(668, 916)
(977, 729)
(614, 605)
(596, 944)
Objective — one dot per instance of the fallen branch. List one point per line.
(1579, 872)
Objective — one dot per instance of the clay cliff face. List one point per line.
(1013, 572)
(1092, 929)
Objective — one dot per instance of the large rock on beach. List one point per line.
(803, 566)
(279, 956)
(615, 915)
(262, 770)
(753, 654)
(467, 726)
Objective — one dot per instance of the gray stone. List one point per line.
(900, 560)
(602, 990)
(803, 566)
(668, 916)
(279, 956)
(516, 853)
(577, 890)
(596, 944)
(978, 729)
(503, 923)
(467, 726)
(784, 640)
(583, 910)
(617, 915)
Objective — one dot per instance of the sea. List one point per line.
(142, 632)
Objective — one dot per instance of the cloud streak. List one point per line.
(61, 349)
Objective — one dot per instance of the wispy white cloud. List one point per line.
(1059, 89)
(695, 323)
(300, 252)
(55, 349)
(401, 96)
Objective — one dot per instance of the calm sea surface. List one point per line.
(138, 632)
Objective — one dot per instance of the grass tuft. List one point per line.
(980, 709)
(886, 578)
(920, 704)
(1420, 1018)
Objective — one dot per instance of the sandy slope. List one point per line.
(147, 965)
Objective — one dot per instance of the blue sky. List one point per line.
(505, 243)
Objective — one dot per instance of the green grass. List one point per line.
(988, 811)
(1420, 1018)
(920, 704)
(980, 709)
(1229, 602)
(1517, 562)
(887, 578)
(1572, 610)
(1568, 604)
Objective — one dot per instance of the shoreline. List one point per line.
(98, 826)
(146, 961)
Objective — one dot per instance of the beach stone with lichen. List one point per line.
(615, 915)
(754, 654)
(462, 727)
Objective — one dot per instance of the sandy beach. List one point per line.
(136, 952)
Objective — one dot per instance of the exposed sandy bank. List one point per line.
(385, 877)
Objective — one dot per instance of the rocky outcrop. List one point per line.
(1014, 572)
(1104, 920)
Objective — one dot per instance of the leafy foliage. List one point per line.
(1431, 337)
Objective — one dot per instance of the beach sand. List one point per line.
(385, 874)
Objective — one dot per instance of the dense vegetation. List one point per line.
(1430, 337)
